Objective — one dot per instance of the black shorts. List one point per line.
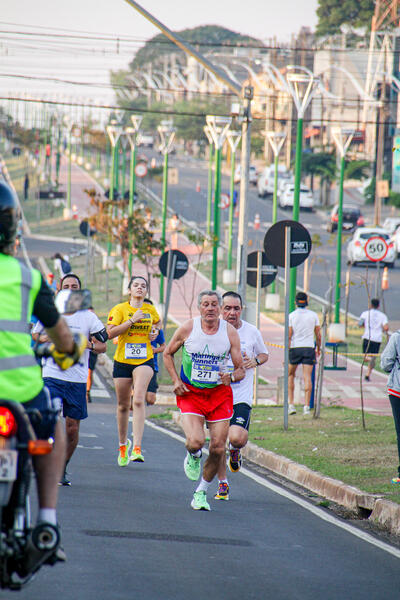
(125, 371)
(92, 360)
(302, 356)
(241, 415)
(153, 385)
(370, 347)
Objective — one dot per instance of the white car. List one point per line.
(252, 174)
(356, 246)
(396, 241)
(306, 199)
(391, 224)
(266, 180)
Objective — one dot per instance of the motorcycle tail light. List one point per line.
(40, 447)
(8, 424)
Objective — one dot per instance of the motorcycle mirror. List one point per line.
(70, 301)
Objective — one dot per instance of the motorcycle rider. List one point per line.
(23, 293)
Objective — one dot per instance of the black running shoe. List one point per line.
(65, 480)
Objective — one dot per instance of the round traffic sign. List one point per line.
(300, 243)
(224, 201)
(86, 230)
(376, 248)
(268, 271)
(181, 265)
(141, 170)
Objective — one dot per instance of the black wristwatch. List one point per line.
(257, 361)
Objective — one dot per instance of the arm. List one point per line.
(251, 363)
(116, 330)
(97, 342)
(178, 339)
(236, 355)
(317, 331)
(389, 355)
(290, 334)
(159, 348)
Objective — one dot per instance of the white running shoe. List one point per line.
(306, 410)
(292, 410)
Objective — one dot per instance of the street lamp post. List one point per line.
(114, 132)
(218, 127)
(342, 138)
(131, 133)
(167, 134)
(302, 87)
(209, 186)
(276, 140)
(234, 138)
(70, 125)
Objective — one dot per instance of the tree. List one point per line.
(323, 165)
(332, 14)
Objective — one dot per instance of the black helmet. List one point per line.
(9, 213)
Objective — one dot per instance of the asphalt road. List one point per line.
(191, 204)
(131, 533)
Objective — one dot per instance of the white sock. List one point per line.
(222, 481)
(197, 454)
(47, 514)
(203, 485)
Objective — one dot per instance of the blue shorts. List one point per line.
(72, 395)
(49, 409)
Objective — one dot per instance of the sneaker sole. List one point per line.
(232, 469)
(199, 507)
(137, 459)
(217, 497)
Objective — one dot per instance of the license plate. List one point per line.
(8, 465)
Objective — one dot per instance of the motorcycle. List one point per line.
(25, 548)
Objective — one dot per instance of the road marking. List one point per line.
(90, 447)
(349, 392)
(318, 512)
(95, 393)
(97, 381)
(89, 435)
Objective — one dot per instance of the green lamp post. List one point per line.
(342, 138)
(301, 86)
(167, 134)
(233, 138)
(209, 185)
(132, 133)
(218, 127)
(276, 140)
(114, 131)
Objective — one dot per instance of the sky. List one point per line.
(23, 56)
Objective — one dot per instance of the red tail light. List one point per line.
(357, 243)
(360, 221)
(8, 424)
(335, 218)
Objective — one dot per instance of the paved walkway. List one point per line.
(340, 387)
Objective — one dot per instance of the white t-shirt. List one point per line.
(373, 321)
(83, 321)
(303, 322)
(252, 344)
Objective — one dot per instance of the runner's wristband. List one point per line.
(257, 361)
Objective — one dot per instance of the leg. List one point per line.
(141, 379)
(218, 436)
(72, 432)
(395, 403)
(193, 427)
(123, 387)
(49, 469)
(150, 398)
(307, 371)
(291, 374)
(238, 437)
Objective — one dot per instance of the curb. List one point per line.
(382, 512)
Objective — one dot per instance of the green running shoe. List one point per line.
(199, 501)
(123, 455)
(192, 467)
(136, 455)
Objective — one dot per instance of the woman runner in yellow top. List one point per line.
(133, 323)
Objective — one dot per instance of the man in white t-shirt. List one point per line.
(70, 385)
(254, 354)
(375, 323)
(303, 327)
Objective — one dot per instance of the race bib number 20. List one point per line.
(138, 351)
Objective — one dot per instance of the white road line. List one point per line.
(90, 447)
(349, 392)
(95, 393)
(97, 381)
(88, 435)
(318, 512)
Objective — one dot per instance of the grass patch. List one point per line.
(335, 445)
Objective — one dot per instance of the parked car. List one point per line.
(396, 241)
(391, 224)
(252, 174)
(145, 139)
(352, 218)
(306, 199)
(356, 246)
(266, 179)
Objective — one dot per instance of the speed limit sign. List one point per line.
(224, 201)
(140, 170)
(376, 248)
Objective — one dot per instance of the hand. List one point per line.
(65, 360)
(180, 388)
(225, 378)
(248, 363)
(139, 314)
(153, 336)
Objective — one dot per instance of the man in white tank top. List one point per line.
(203, 390)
